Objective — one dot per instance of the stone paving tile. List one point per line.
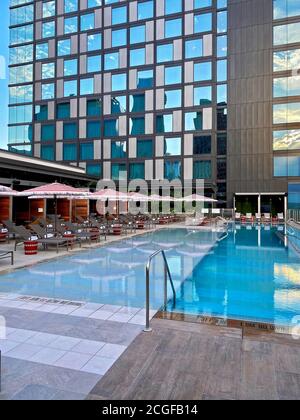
(72, 360)
(81, 312)
(101, 314)
(21, 335)
(35, 393)
(42, 339)
(120, 317)
(47, 356)
(68, 396)
(65, 310)
(7, 345)
(112, 351)
(24, 351)
(98, 365)
(111, 308)
(93, 306)
(64, 343)
(88, 347)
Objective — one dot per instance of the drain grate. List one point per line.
(49, 301)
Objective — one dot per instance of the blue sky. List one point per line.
(4, 37)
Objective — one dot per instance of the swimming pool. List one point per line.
(250, 275)
(115, 273)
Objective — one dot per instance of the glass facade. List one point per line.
(286, 89)
(142, 82)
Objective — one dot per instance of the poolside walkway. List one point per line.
(61, 350)
(181, 360)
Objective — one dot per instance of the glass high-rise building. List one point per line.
(161, 89)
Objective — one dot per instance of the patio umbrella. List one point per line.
(139, 197)
(55, 191)
(7, 192)
(156, 197)
(196, 197)
(110, 195)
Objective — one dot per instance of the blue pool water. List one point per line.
(249, 275)
(113, 274)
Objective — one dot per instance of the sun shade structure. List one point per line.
(7, 192)
(156, 197)
(139, 197)
(109, 194)
(54, 191)
(198, 198)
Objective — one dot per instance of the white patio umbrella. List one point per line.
(55, 191)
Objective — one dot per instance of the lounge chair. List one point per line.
(249, 218)
(103, 227)
(258, 217)
(83, 222)
(237, 217)
(10, 227)
(267, 218)
(280, 218)
(83, 235)
(7, 254)
(40, 236)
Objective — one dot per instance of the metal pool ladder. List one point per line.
(167, 274)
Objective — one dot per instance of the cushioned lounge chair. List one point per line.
(40, 236)
(69, 227)
(7, 254)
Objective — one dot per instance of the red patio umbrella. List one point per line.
(7, 192)
(54, 190)
(110, 195)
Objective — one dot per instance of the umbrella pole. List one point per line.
(55, 214)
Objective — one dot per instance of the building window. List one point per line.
(86, 151)
(70, 131)
(70, 152)
(144, 148)
(63, 111)
(172, 170)
(47, 152)
(118, 149)
(93, 108)
(48, 132)
(93, 129)
(202, 169)
(137, 171)
(202, 145)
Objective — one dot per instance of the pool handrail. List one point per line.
(167, 274)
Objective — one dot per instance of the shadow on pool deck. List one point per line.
(180, 360)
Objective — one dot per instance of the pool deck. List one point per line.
(73, 350)
(180, 361)
(58, 349)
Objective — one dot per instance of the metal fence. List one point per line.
(294, 214)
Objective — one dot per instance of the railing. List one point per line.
(167, 274)
(221, 219)
(294, 215)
